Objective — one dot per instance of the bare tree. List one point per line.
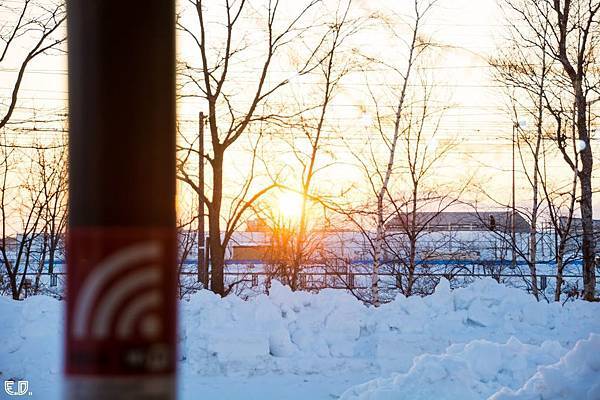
(232, 111)
(571, 40)
(526, 72)
(32, 31)
(561, 203)
(34, 27)
(577, 37)
(420, 201)
(279, 235)
(186, 241)
(332, 66)
(51, 168)
(561, 197)
(21, 205)
(379, 176)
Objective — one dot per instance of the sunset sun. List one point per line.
(289, 206)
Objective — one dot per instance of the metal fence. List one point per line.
(248, 276)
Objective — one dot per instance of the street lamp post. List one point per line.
(515, 126)
(202, 266)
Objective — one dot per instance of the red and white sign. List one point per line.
(121, 303)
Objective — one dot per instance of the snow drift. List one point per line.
(575, 376)
(475, 340)
(476, 370)
(309, 333)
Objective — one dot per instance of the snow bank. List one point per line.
(313, 333)
(282, 332)
(476, 339)
(575, 376)
(464, 372)
(31, 339)
(475, 371)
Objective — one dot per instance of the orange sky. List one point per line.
(469, 31)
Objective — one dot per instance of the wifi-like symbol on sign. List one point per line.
(123, 289)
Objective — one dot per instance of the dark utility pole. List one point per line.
(120, 335)
(202, 265)
(514, 206)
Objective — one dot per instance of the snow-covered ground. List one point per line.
(485, 341)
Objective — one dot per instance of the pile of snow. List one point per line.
(475, 371)
(313, 333)
(575, 376)
(464, 372)
(469, 342)
(31, 340)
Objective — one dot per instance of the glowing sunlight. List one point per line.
(289, 206)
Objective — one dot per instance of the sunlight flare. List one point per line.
(289, 206)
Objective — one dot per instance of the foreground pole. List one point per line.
(121, 285)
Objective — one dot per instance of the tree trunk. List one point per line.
(535, 189)
(14, 288)
(217, 250)
(533, 244)
(578, 76)
(298, 258)
(559, 270)
(42, 261)
(217, 264)
(588, 245)
(51, 255)
(390, 164)
(533, 260)
(377, 254)
(587, 221)
(411, 267)
(412, 234)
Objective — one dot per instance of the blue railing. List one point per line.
(576, 262)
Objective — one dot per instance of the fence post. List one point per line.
(350, 280)
(303, 280)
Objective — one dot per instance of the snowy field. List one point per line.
(485, 341)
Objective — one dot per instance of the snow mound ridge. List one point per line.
(480, 338)
(464, 372)
(575, 376)
(477, 370)
(299, 332)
